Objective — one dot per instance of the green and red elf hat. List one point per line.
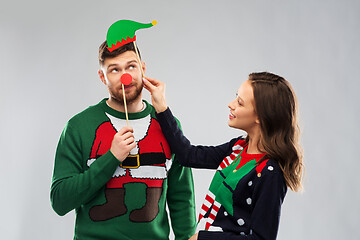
(123, 32)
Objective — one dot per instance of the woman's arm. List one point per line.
(187, 154)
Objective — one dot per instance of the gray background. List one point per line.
(203, 50)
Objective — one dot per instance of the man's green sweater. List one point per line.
(121, 201)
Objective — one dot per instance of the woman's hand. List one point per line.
(157, 90)
(194, 237)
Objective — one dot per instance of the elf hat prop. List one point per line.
(123, 32)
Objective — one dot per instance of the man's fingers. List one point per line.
(125, 130)
(129, 140)
(127, 135)
(132, 145)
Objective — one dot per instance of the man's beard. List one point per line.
(130, 98)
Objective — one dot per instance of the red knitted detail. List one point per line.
(226, 161)
(261, 166)
(216, 208)
(222, 165)
(123, 42)
(212, 216)
(209, 199)
(207, 226)
(205, 208)
(236, 152)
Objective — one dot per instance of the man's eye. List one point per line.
(114, 70)
(131, 66)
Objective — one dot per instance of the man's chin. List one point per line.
(132, 98)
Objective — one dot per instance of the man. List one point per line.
(119, 178)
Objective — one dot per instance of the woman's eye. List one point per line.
(131, 67)
(114, 70)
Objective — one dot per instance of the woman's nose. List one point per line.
(231, 104)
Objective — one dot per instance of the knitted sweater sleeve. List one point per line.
(189, 155)
(74, 184)
(181, 200)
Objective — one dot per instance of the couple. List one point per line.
(119, 179)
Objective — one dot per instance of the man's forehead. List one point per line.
(123, 58)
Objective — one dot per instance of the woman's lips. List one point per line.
(231, 116)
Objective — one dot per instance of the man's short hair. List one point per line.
(104, 53)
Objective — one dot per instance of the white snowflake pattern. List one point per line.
(240, 221)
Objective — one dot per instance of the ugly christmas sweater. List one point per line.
(127, 200)
(244, 198)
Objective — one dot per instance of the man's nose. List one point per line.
(123, 71)
(126, 79)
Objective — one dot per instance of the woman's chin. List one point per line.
(230, 124)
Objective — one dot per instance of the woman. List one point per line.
(253, 173)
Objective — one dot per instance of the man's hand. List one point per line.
(157, 90)
(122, 143)
(194, 237)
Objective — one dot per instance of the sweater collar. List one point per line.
(132, 116)
(246, 155)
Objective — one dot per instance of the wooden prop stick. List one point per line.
(138, 58)
(126, 112)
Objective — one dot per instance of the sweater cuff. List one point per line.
(164, 115)
(107, 164)
(204, 235)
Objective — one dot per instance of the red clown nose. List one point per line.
(126, 79)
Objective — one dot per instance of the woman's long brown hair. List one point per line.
(276, 108)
